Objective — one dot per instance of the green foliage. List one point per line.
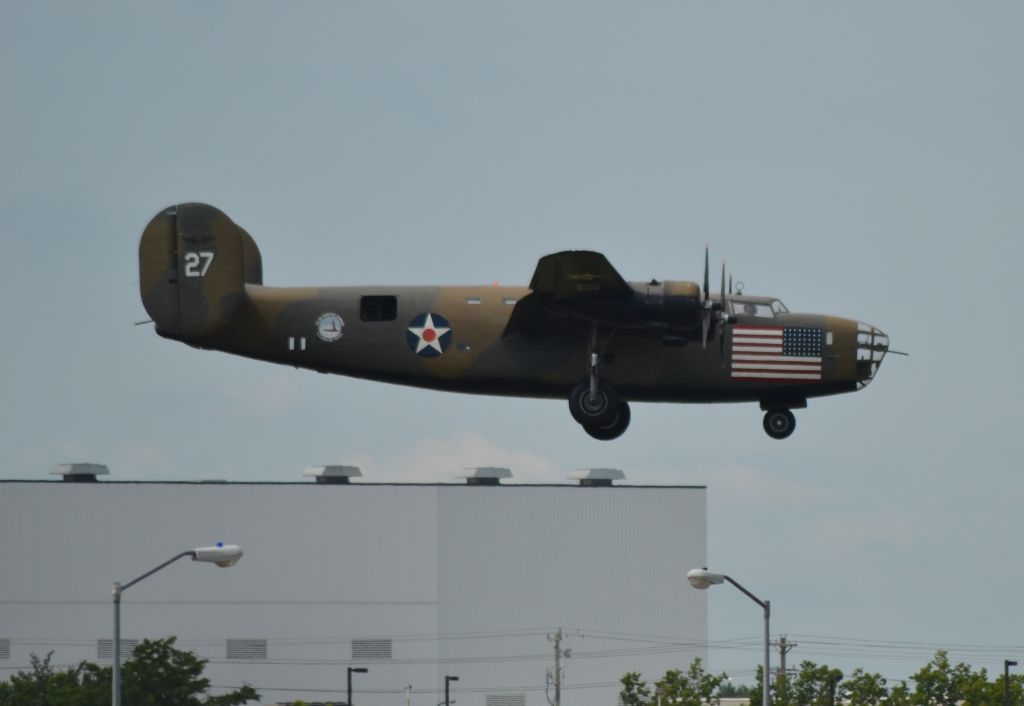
(938, 683)
(733, 691)
(863, 689)
(83, 685)
(156, 675)
(695, 687)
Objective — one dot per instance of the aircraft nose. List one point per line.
(872, 345)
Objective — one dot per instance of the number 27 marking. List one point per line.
(197, 263)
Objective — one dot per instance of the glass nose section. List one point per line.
(872, 345)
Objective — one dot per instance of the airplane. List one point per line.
(578, 332)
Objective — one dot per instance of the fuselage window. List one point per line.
(378, 308)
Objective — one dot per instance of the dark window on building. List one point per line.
(105, 649)
(246, 649)
(5, 649)
(371, 649)
(506, 700)
(380, 308)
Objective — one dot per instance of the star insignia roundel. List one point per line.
(429, 335)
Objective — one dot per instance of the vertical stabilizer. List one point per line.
(194, 263)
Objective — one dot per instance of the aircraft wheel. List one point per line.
(779, 423)
(599, 412)
(613, 430)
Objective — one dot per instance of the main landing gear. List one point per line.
(779, 423)
(594, 403)
(601, 414)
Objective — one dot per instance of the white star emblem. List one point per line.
(429, 335)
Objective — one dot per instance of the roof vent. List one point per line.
(484, 475)
(80, 472)
(597, 477)
(333, 475)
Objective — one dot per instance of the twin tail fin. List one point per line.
(194, 263)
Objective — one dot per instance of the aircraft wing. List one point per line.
(567, 281)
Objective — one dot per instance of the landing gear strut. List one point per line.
(779, 423)
(594, 403)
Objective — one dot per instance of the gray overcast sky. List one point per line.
(864, 160)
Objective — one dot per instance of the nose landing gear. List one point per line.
(779, 423)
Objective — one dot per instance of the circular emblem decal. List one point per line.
(429, 335)
(329, 327)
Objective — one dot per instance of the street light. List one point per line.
(1007, 663)
(447, 680)
(702, 578)
(222, 555)
(357, 670)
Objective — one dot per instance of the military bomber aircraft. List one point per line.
(579, 331)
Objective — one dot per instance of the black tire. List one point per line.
(779, 423)
(599, 414)
(613, 430)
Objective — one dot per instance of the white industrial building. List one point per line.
(412, 581)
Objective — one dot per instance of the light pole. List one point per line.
(448, 680)
(1007, 663)
(702, 578)
(351, 670)
(223, 555)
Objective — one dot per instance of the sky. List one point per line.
(858, 159)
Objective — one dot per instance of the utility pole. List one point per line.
(1007, 663)
(557, 676)
(784, 647)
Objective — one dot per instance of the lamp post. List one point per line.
(702, 578)
(223, 555)
(351, 670)
(448, 680)
(1007, 663)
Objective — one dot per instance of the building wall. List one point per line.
(463, 580)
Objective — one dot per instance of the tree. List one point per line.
(695, 687)
(733, 691)
(940, 684)
(157, 674)
(812, 686)
(44, 686)
(863, 689)
(634, 690)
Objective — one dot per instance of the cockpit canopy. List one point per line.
(761, 307)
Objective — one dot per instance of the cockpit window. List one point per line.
(760, 309)
(748, 308)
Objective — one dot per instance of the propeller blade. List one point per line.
(707, 285)
(722, 300)
(705, 326)
(730, 283)
(723, 316)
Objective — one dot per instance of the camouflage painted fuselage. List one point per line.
(280, 325)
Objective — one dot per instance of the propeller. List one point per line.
(713, 313)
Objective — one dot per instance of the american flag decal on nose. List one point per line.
(776, 353)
